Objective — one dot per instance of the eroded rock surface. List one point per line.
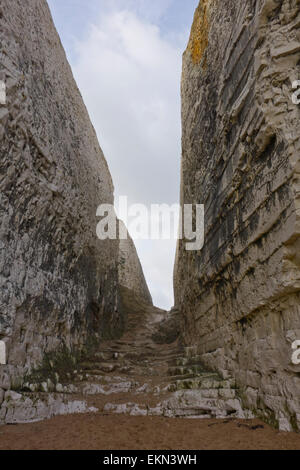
(58, 281)
(240, 296)
(131, 273)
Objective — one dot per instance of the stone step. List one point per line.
(192, 402)
(95, 372)
(211, 382)
(186, 370)
(221, 393)
(19, 408)
(183, 404)
(185, 361)
(106, 367)
(175, 378)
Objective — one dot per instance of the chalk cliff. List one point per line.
(58, 282)
(131, 273)
(240, 295)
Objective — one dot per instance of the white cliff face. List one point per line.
(130, 270)
(240, 295)
(58, 282)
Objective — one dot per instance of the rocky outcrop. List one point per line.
(240, 295)
(131, 273)
(59, 283)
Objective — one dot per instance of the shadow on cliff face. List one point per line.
(166, 325)
(168, 331)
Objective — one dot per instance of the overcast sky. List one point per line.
(126, 57)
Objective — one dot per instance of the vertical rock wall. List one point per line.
(58, 282)
(130, 269)
(240, 296)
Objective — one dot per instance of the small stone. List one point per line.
(92, 409)
(12, 396)
(137, 411)
(144, 389)
(284, 425)
(59, 388)
(33, 387)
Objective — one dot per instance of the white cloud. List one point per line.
(151, 11)
(129, 75)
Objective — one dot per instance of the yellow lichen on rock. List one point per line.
(198, 41)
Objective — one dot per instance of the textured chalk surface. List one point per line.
(2, 353)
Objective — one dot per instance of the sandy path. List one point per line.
(96, 432)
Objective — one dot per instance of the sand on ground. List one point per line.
(120, 432)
